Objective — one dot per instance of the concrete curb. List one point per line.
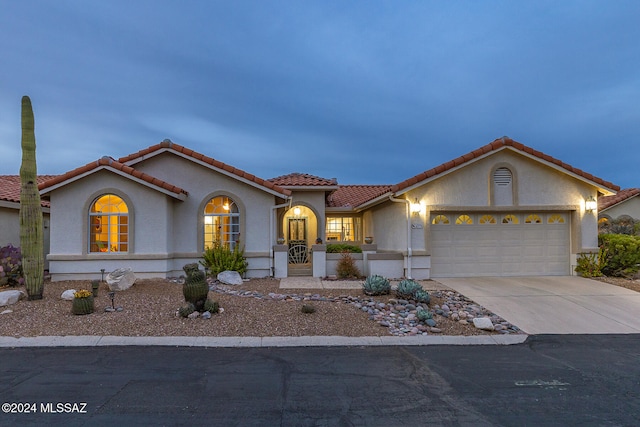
(226, 342)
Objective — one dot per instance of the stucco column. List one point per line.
(366, 250)
(319, 253)
(280, 261)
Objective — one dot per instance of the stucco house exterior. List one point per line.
(503, 209)
(10, 212)
(623, 205)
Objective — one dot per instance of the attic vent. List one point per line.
(502, 177)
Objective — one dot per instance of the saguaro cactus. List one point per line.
(31, 238)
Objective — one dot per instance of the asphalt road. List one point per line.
(586, 380)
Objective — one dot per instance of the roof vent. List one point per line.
(502, 177)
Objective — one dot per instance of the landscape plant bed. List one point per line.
(149, 309)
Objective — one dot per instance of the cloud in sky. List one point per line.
(367, 92)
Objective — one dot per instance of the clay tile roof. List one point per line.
(605, 202)
(168, 144)
(10, 187)
(493, 146)
(354, 195)
(112, 163)
(303, 179)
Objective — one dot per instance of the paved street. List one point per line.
(549, 380)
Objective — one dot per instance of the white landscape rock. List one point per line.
(120, 279)
(68, 294)
(483, 323)
(10, 297)
(230, 278)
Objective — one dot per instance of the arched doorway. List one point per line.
(300, 227)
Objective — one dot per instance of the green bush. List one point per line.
(346, 268)
(622, 257)
(338, 248)
(591, 265)
(221, 258)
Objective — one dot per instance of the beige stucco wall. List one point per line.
(10, 227)
(630, 207)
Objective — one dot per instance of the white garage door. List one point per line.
(499, 244)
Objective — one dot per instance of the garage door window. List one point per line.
(440, 219)
(464, 219)
(510, 219)
(533, 219)
(556, 219)
(487, 219)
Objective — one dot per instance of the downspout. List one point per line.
(271, 230)
(409, 250)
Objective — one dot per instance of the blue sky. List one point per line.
(368, 92)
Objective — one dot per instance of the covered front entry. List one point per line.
(300, 232)
(468, 244)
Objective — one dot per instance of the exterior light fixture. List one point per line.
(590, 204)
(296, 211)
(416, 207)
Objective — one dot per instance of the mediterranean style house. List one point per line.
(503, 209)
(623, 205)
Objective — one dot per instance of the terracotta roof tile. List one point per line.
(606, 202)
(10, 188)
(111, 163)
(168, 144)
(296, 179)
(347, 196)
(492, 146)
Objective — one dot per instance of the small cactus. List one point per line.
(195, 288)
(407, 288)
(376, 285)
(186, 310)
(211, 306)
(422, 296)
(424, 315)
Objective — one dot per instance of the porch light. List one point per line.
(416, 207)
(296, 211)
(590, 204)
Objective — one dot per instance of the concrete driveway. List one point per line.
(555, 305)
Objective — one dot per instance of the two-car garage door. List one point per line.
(467, 244)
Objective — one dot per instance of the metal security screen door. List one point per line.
(298, 250)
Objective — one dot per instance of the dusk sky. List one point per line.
(368, 92)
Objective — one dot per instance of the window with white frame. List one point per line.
(343, 229)
(221, 222)
(108, 224)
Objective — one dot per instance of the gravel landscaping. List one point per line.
(256, 308)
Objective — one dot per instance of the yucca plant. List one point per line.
(376, 285)
(219, 257)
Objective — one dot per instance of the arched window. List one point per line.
(109, 224)
(440, 219)
(533, 219)
(464, 219)
(221, 222)
(487, 219)
(510, 219)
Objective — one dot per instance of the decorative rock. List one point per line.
(430, 322)
(206, 315)
(463, 322)
(483, 323)
(230, 278)
(120, 279)
(68, 294)
(7, 311)
(436, 330)
(10, 297)
(194, 315)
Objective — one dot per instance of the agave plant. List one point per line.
(407, 289)
(376, 285)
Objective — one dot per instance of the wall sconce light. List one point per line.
(590, 204)
(296, 211)
(416, 207)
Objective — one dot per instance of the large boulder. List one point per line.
(230, 277)
(68, 294)
(10, 297)
(120, 279)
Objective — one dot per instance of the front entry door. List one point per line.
(298, 249)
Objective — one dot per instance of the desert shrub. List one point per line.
(622, 254)
(407, 288)
(308, 309)
(591, 265)
(220, 258)
(376, 285)
(11, 266)
(338, 248)
(623, 225)
(346, 267)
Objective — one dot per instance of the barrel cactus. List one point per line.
(186, 309)
(195, 288)
(407, 288)
(82, 302)
(376, 285)
(211, 306)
